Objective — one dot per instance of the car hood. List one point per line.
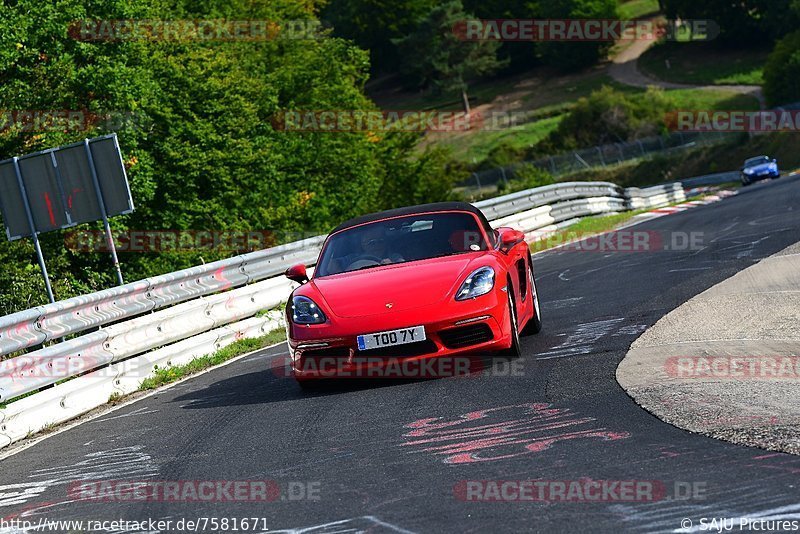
(405, 286)
(759, 168)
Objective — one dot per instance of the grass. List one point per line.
(552, 99)
(634, 9)
(592, 226)
(711, 99)
(475, 147)
(237, 348)
(542, 98)
(4, 405)
(586, 227)
(703, 63)
(472, 147)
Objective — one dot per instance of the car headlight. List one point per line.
(305, 311)
(748, 171)
(478, 283)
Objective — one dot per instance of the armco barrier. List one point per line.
(120, 341)
(75, 397)
(654, 197)
(173, 318)
(496, 208)
(33, 327)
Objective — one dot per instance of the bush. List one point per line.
(526, 176)
(502, 155)
(608, 116)
(782, 72)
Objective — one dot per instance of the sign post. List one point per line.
(62, 187)
(101, 203)
(34, 234)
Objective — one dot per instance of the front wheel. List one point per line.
(534, 325)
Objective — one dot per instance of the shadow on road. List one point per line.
(274, 384)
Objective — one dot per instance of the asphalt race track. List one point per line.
(397, 456)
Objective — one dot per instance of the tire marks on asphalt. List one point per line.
(502, 433)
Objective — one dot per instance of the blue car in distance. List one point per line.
(759, 168)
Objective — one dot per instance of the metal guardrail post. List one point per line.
(478, 181)
(579, 158)
(34, 235)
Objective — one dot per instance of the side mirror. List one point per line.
(297, 273)
(509, 237)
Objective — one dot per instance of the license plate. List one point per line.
(391, 338)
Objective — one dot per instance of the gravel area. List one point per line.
(727, 362)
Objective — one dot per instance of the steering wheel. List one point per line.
(364, 261)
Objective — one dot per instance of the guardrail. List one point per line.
(123, 334)
(33, 327)
(653, 197)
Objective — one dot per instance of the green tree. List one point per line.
(435, 57)
(576, 55)
(782, 72)
(373, 24)
(741, 23)
(201, 151)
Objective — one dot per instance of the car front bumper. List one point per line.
(473, 326)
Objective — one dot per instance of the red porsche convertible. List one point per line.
(410, 284)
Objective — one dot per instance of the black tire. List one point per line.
(534, 325)
(514, 351)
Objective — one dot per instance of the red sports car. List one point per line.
(409, 285)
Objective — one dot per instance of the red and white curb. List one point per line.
(669, 210)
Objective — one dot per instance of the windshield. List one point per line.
(400, 240)
(755, 161)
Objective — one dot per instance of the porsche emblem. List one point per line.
(389, 305)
